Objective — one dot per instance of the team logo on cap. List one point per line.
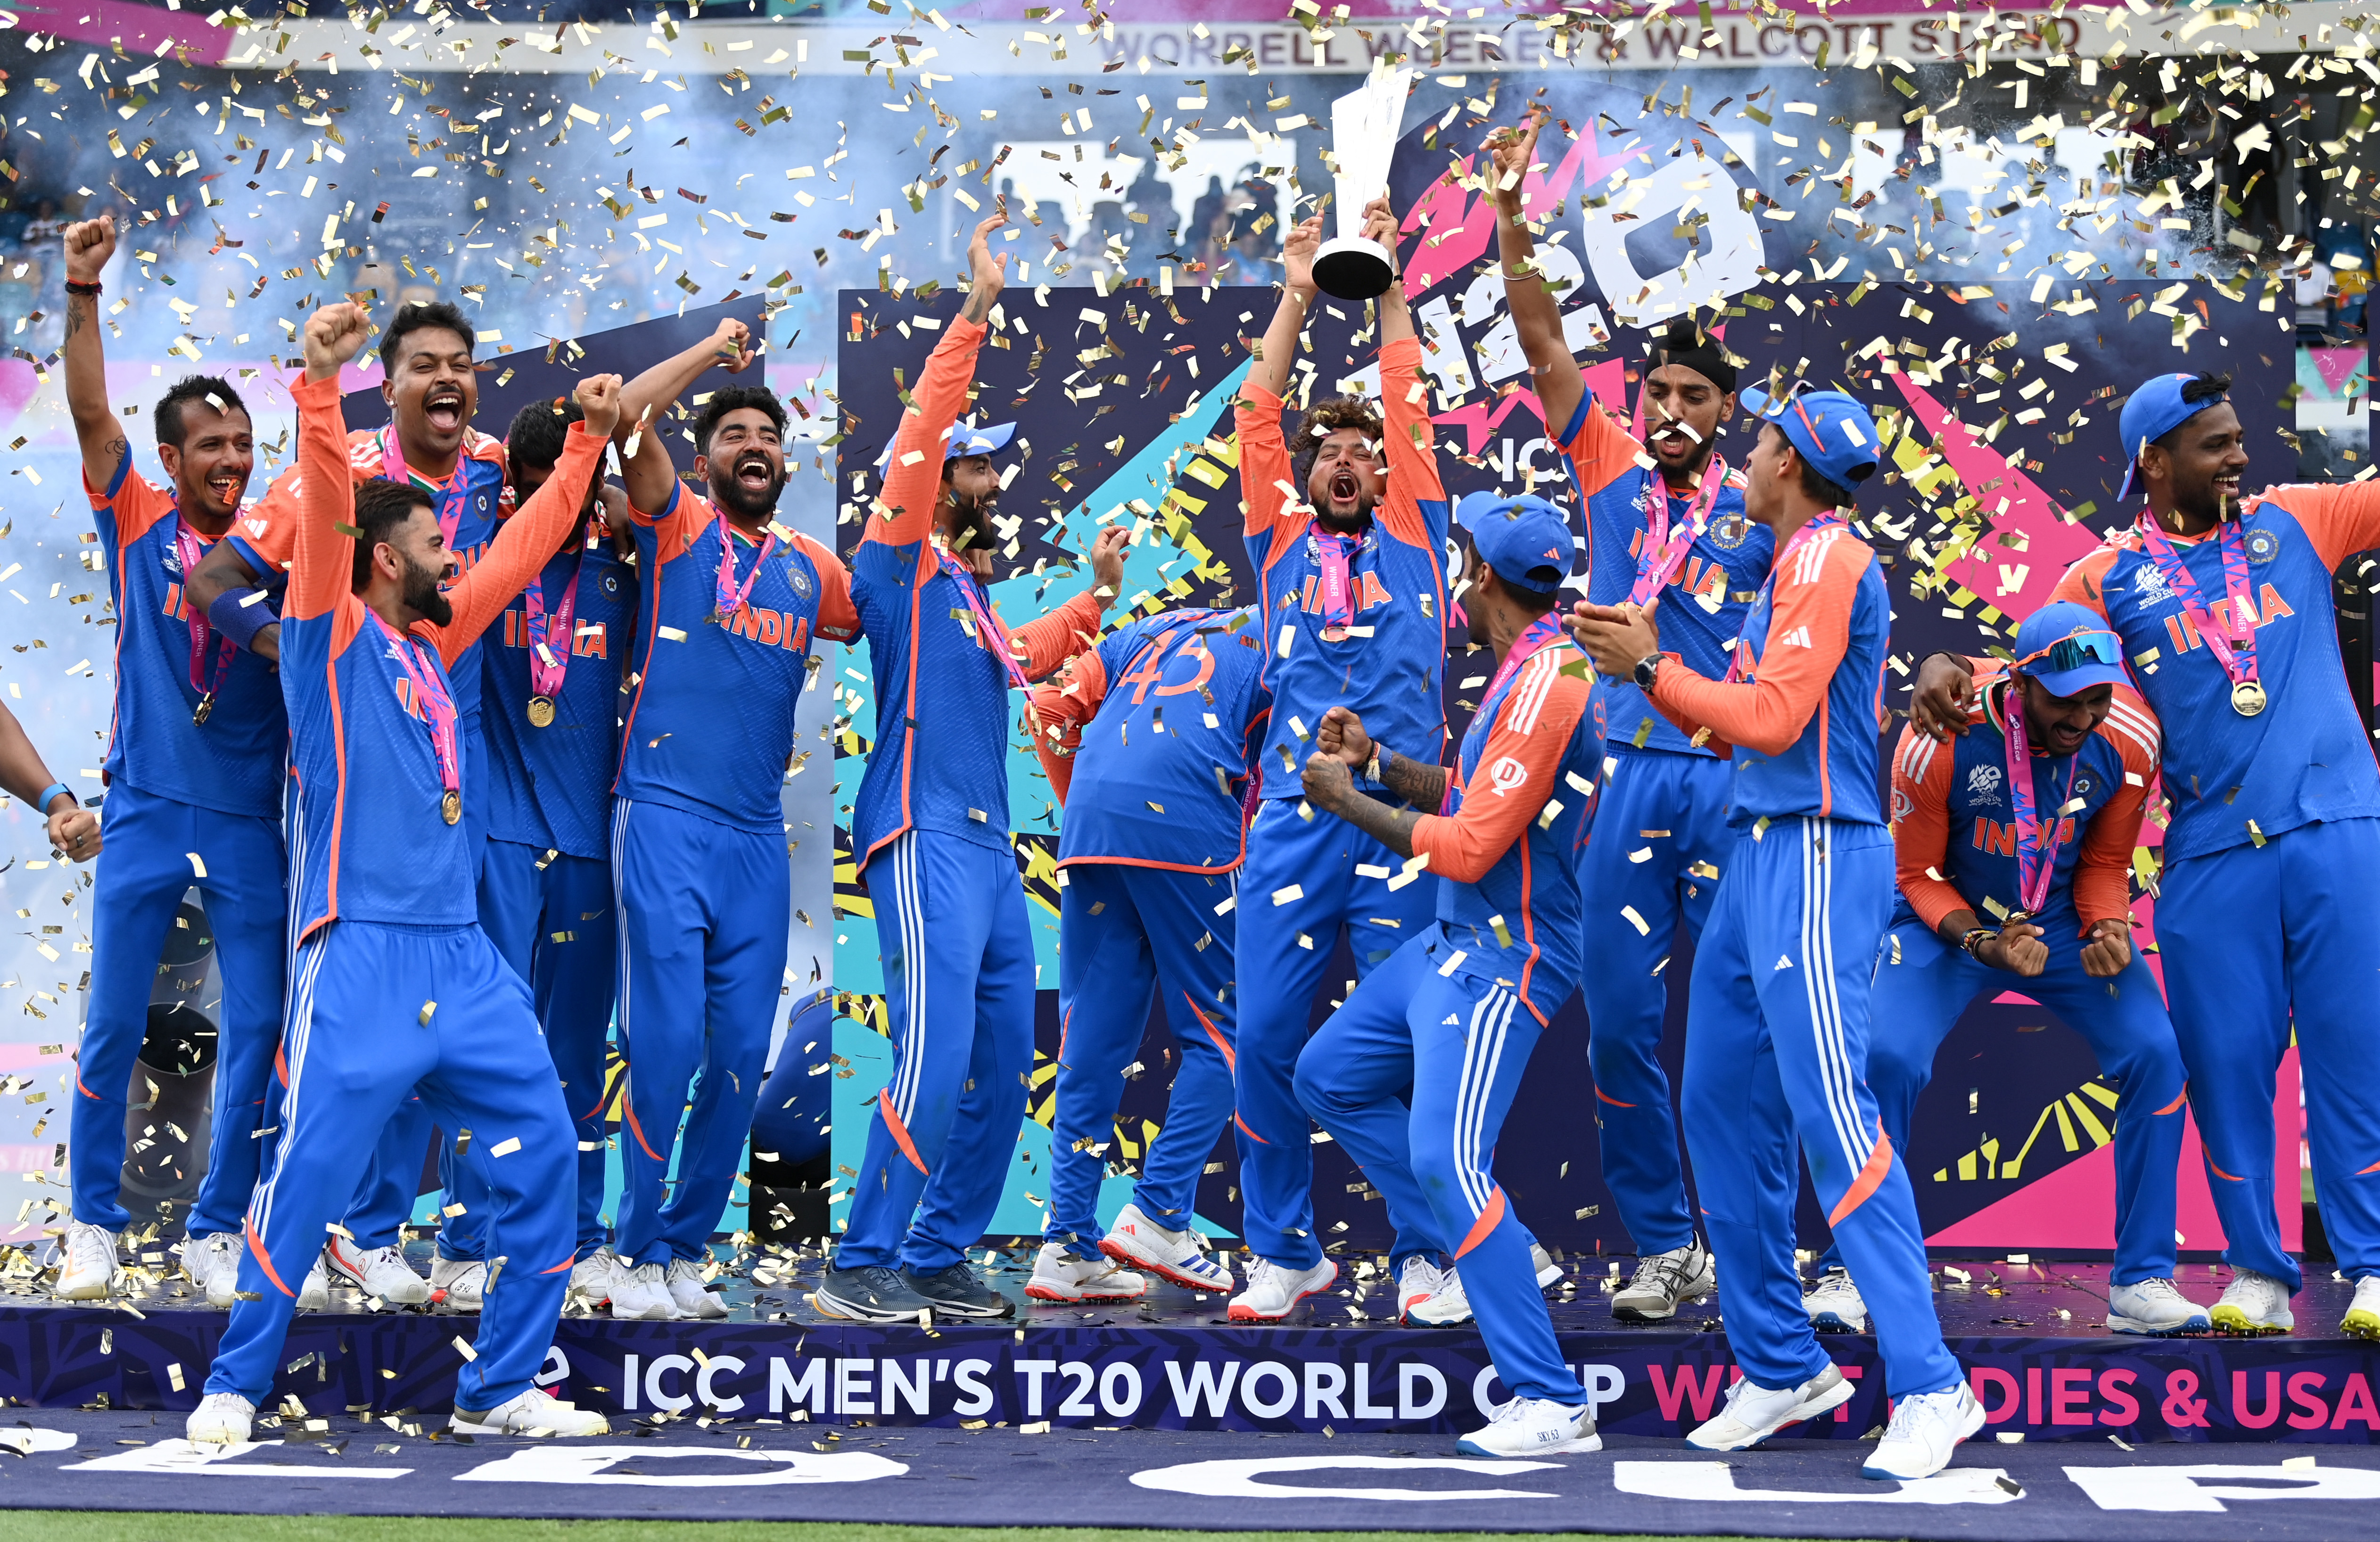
(1984, 785)
(2263, 546)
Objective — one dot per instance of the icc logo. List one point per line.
(1984, 785)
(2150, 585)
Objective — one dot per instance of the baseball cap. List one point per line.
(1830, 429)
(965, 438)
(2150, 413)
(1524, 539)
(2069, 649)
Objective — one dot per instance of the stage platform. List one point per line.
(2033, 1336)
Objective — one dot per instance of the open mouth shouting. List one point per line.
(1345, 488)
(1673, 439)
(2226, 486)
(443, 408)
(228, 486)
(754, 473)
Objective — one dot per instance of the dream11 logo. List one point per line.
(1615, 257)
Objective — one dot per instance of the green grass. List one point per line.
(89, 1526)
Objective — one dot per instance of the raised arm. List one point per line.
(1270, 373)
(104, 448)
(2339, 517)
(912, 480)
(644, 399)
(529, 538)
(1061, 705)
(321, 562)
(1046, 641)
(1536, 316)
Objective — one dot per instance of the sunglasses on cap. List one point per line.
(1773, 409)
(2074, 651)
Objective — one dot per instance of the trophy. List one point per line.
(1364, 128)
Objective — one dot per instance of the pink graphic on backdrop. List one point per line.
(1462, 228)
(2338, 366)
(2051, 544)
(2075, 1207)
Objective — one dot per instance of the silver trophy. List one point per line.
(1364, 128)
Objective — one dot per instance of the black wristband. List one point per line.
(92, 289)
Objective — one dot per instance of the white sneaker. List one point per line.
(86, 1261)
(219, 1419)
(1533, 1427)
(1182, 1256)
(686, 1288)
(1753, 1414)
(212, 1262)
(591, 1277)
(457, 1285)
(314, 1295)
(1547, 1271)
(2362, 1320)
(1833, 1304)
(1062, 1274)
(380, 1272)
(2253, 1303)
(1418, 1281)
(2153, 1306)
(1272, 1289)
(1664, 1282)
(533, 1413)
(1925, 1430)
(643, 1295)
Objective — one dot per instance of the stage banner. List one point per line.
(1997, 399)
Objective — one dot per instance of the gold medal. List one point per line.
(451, 805)
(2248, 697)
(206, 708)
(540, 711)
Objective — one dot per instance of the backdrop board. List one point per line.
(1998, 405)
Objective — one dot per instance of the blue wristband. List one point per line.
(42, 804)
(240, 613)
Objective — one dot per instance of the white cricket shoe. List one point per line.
(1925, 1430)
(314, 1295)
(380, 1272)
(686, 1288)
(212, 1262)
(219, 1419)
(1062, 1274)
(591, 1277)
(1664, 1282)
(86, 1261)
(1420, 1279)
(1547, 1271)
(642, 1294)
(458, 1285)
(2362, 1320)
(1447, 1307)
(1833, 1304)
(1753, 1414)
(1273, 1290)
(2155, 1307)
(2253, 1303)
(1533, 1427)
(532, 1413)
(1141, 1245)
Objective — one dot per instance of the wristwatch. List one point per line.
(1647, 668)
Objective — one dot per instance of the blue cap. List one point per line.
(2069, 649)
(965, 438)
(1526, 539)
(2151, 413)
(1829, 429)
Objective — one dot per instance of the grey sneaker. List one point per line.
(1664, 1282)
(956, 1291)
(870, 1293)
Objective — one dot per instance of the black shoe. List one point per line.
(955, 1291)
(870, 1294)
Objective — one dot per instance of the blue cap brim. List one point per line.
(2082, 677)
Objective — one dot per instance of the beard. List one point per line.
(422, 594)
(2203, 503)
(970, 522)
(727, 488)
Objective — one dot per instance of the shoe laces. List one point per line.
(1909, 1411)
(1665, 1271)
(2159, 1286)
(1832, 1280)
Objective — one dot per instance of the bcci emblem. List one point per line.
(611, 586)
(799, 579)
(1729, 531)
(2263, 546)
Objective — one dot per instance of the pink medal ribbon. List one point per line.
(452, 493)
(205, 680)
(729, 598)
(2036, 853)
(2232, 641)
(1334, 555)
(1666, 544)
(1831, 521)
(547, 665)
(989, 631)
(438, 710)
